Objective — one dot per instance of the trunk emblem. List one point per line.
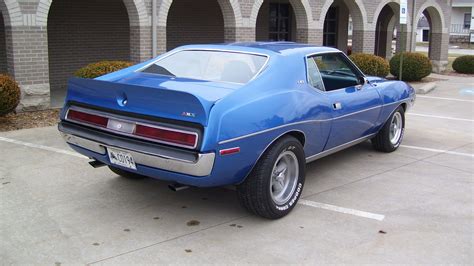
(188, 114)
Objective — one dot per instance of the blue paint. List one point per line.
(276, 99)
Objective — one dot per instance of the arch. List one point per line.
(358, 13)
(301, 8)
(385, 20)
(11, 13)
(100, 31)
(437, 20)
(230, 10)
(136, 9)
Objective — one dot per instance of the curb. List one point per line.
(425, 89)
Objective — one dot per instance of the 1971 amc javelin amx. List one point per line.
(244, 114)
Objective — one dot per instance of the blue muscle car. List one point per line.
(244, 114)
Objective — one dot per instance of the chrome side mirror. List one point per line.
(363, 81)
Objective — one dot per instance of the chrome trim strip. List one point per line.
(213, 50)
(308, 121)
(271, 129)
(121, 118)
(338, 148)
(201, 167)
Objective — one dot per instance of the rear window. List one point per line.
(210, 66)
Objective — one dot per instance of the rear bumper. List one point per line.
(95, 144)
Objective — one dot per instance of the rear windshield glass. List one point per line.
(209, 65)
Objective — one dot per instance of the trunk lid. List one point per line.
(151, 95)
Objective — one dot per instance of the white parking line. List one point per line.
(442, 117)
(42, 147)
(444, 98)
(436, 150)
(369, 215)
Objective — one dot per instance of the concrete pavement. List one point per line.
(55, 208)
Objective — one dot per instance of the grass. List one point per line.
(451, 58)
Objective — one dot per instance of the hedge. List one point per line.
(415, 66)
(101, 68)
(464, 64)
(9, 94)
(371, 65)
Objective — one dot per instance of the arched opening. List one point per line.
(191, 22)
(276, 21)
(343, 26)
(429, 32)
(387, 22)
(83, 32)
(3, 46)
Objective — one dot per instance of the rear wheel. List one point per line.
(126, 174)
(390, 136)
(275, 184)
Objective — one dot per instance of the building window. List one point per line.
(330, 28)
(279, 24)
(467, 20)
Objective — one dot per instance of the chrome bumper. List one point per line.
(200, 166)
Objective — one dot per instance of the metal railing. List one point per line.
(459, 29)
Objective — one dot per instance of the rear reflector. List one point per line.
(165, 135)
(229, 151)
(87, 118)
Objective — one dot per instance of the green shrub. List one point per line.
(371, 65)
(9, 94)
(415, 66)
(464, 64)
(101, 68)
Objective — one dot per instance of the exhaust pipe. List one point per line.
(96, 164)
(177, 187)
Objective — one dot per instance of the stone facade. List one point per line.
(42, 42)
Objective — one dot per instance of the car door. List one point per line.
(356, 104)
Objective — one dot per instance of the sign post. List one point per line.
(403, 21)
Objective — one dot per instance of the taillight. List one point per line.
(87, 118)
(165, 135)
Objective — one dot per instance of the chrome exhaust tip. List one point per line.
(177, 187)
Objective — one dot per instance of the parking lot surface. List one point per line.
(414, 205)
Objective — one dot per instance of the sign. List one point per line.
(403, 11)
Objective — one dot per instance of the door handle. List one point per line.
(337, 106)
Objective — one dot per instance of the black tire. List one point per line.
(255, 193)
(381, 142)
(126, 174)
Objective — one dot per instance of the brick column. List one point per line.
(438, 52)
(29, 56)
(140, 43)
(363, 41)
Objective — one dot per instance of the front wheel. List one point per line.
(390, 136)
(275, 184)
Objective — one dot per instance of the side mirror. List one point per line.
(363, 80)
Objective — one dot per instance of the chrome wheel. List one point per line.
(285, 174)
(396, 127)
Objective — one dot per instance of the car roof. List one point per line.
(268, 48)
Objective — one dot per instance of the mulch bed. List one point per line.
(29, 120)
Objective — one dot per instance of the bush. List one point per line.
(415, 66)
(371, 65)
(101, 68)
(9, 94)
(464, 64)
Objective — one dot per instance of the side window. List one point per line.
(314, 77)
(336, 71)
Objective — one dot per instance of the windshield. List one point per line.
(209, 65)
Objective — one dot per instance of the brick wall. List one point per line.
(3, 50)
(83, 32)
(191, 21)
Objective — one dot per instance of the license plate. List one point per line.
(121, 158)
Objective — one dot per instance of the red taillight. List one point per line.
(87, 118)
(173, 137)
(229, 151)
